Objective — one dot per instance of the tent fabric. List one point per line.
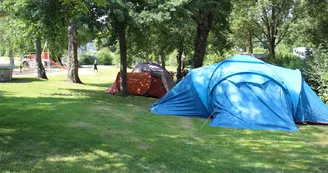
(138, 83)
(156, 71)
(145, 80)
(244, 92)
(182, 100)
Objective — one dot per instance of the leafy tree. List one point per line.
(37, 15)
(242, 26)
(274, 18)
(72, 11)
(14, 38)
(317, 18)
(209, 15)
(118, 22)
(171, 29)
(72, 15)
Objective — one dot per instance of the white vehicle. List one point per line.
(302, 52)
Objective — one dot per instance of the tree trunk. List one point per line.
(163, 59)
(73, 67)
(124, 62)
(250, 43)
(272, 53)
(11, 57)
(3, 13)
(39, 65)
(203, 29)
(271, 41)
(179, 68)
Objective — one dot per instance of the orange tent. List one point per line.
(146, 80)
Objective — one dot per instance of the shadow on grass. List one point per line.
(107, 85)
(113, 134)
(26, 80)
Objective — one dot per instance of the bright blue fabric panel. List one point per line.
(310, 107)
(292, 79)
(239, 65)
(200, 77)
(250, 106)
(182, 100)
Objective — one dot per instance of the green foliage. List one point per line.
(173, 59)
(288, 61)
(242, 23)
(316, 75)
(14, 36)
(117, 60)
(87, 58)
(217, 57)
(105, 56)
(259, 50)
(315, 29)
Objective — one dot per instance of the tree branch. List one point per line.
(258, 25)
(285, 31)
(259, 38)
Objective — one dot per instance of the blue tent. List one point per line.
(244, 92)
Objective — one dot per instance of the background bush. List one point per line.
(87, 58)
(105, 57)
(316, 75)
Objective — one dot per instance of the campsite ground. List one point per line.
(54, 126)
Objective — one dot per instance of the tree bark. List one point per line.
(124, 62)
(272, 52)
(203, 29)
(73, 67)
(179, 68)
(163, 59)
(11, 57)
(39, 65)
(250, 42)
(3, 13)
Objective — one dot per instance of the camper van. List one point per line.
(302, 52)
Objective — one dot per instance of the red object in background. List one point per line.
(44, 55)
(141, 84)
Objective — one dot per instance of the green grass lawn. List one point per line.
(54, 126)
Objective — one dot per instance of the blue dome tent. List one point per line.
(244, 92)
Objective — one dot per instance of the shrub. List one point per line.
(105, 57)
(316, 75)
(289, 61)
(87, 58)
(259, 50)
(217, 57)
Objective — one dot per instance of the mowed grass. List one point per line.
(54, 126)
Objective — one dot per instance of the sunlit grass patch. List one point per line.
(55, 126)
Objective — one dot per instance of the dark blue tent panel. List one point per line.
(244, 92)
